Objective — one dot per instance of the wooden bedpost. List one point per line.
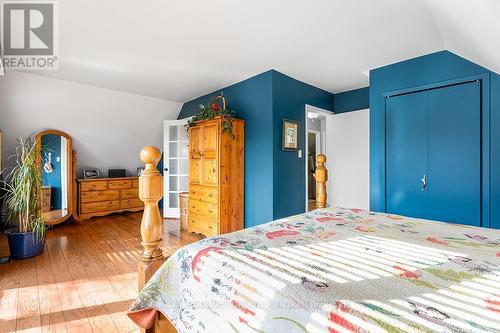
(150, 192)
(321, 176)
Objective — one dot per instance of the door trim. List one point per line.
(317, 139)
(484, 80)
(167, 211)
(326, 113)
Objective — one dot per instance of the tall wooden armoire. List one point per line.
(216, 177)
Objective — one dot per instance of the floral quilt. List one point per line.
(332, 270)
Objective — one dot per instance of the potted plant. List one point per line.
(212, 110)
(22, 201)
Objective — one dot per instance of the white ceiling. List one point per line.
(470, 28)
(181, 49)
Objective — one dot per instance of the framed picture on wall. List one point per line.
(290, 136)
(91, 173)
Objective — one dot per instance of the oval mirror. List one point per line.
(55, 158)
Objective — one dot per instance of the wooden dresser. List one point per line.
(46, 198)
(216, 178)
(102, 196)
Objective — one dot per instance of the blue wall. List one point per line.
(274, 179)
(495, 151)
(352, 100)
(51, 143)
(289, 99)
(252, 99)
(433, 69)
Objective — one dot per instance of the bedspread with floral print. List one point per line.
(332, 270)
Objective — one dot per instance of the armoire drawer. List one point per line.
(202, 225)
(205, 209)
(204, 193)
(94, 186)
(103, 206)
(95, 196)
(130, 193)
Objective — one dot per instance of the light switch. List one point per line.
(58, 159)
(299, 153)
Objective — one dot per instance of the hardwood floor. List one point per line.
(311, 205)
(85, 279)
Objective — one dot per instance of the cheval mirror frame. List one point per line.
(70, 156)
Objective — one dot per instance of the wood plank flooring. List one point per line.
(85, 279)
(311, 205)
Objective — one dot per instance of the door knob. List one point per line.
(165, 169)
(423, 182)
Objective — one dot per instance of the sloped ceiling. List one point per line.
(181, 49)
(470, 28)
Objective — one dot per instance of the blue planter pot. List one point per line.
(24, 245)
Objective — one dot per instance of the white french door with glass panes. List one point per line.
(175, 165)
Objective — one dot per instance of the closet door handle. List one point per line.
(423, 182)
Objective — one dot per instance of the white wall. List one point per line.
(348, 159)
(108, 127)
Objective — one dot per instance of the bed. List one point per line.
(329, 270)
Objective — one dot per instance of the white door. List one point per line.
(175, 165)
(348, 159)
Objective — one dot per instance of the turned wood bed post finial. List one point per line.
(321, 176)
(150, 192)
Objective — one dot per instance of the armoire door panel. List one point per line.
(210, 172)
(195, 139)
(210, 157)
(454, 176)
(210, 135)
(195, 154)
(194, 170)
(406, 154)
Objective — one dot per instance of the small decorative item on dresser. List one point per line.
(184, 208)
(139, 171)
(91, 173)
(290, 137)
(116, 173)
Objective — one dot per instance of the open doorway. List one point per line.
(315, 143)
(313, 149)
(345, 140)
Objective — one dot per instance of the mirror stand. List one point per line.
(56, 158)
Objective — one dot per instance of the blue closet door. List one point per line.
(433, 154)
(454, 170)
(406, 153)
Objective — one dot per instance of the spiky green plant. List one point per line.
(24, 189)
